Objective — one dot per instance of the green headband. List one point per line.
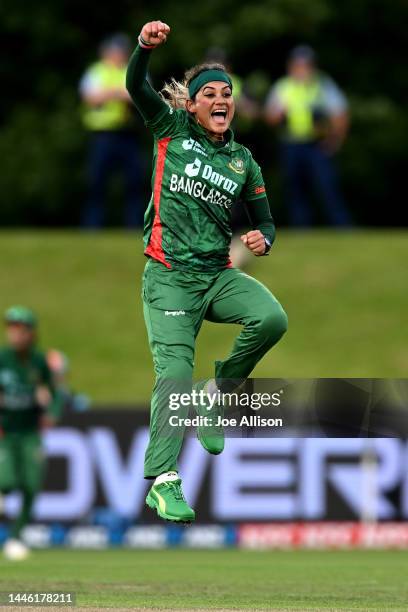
(206, 77)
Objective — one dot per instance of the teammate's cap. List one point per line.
(20, 314)
(303, 52)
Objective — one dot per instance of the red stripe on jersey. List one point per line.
(155, 248)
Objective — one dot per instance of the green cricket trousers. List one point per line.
(175, 303)
(21, 469)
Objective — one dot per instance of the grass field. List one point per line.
(345, 294)
(239, 580)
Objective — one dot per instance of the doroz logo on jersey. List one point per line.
(188, 144)
(191, 144)
(208, 173)
(237, 165)
(194, 168)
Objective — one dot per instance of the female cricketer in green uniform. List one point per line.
(29, 403)
(199, 174)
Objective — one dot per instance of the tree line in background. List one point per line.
(47, 45)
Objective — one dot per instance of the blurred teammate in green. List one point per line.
(28, 405)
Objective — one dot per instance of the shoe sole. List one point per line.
(167, 517)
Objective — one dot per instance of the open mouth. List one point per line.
(219, 116)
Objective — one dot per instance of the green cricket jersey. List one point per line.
(196, 183)
(18, 382)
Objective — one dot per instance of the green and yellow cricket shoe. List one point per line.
(166, 497)
(210, 434)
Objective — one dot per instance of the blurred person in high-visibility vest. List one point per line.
(312, 113)
(107, 116)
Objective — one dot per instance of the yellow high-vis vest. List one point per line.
(236, 85)
(299, 99)
(111, 115)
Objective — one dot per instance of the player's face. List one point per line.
(213, 107)
(20, 337)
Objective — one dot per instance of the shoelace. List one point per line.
(178, 493)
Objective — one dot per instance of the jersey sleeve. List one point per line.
(259, 214)
(254, 187)
(158, 116)
(257, 204)
(168, 122)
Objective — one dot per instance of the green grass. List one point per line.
(180, 579)
(345, 294)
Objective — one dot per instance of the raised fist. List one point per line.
(255, 242)
(155, 32)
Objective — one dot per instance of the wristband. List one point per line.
(144, 44)
(268, 245)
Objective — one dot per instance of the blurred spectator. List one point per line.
(312, 113)
(106, 114)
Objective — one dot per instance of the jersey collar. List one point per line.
(230, 144)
